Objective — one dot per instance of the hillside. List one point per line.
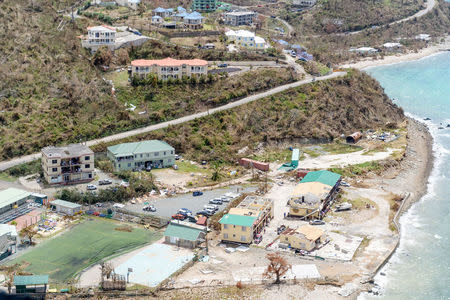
(317, 111)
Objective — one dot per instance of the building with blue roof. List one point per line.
(194, 20)
(163, 12)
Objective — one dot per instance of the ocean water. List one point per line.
(420, 269)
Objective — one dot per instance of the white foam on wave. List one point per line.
(437, 236)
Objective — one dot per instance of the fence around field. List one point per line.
(140, 218)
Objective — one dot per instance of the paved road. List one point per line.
(27, 158)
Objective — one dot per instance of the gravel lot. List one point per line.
(167, 207)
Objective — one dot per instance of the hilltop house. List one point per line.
(245, 221)
(68, 164)
(169, 68)
(163, 12)
(311, 197)
(237, 18)
(141, 155)
(99, 36)
(204, 5)
(193, 20)
(157, 20)
(246, 39)
(304, 3)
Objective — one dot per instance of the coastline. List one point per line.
(431, 49)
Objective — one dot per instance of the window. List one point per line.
(87, 158)
(135, 156)
(225, 235)
(171, 152)
(164, 152)
(54, 169)
(243, 238)
(129, 164)
(234, 235)
(87, 166)
(54, 161)
(156, 153)
(119, 165)
(89, 175)
(170, 160)
(141, 155)
(225, 226)
(244, 228)
(234, 226)
(148, 154)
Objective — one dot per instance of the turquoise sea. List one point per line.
(420, 269)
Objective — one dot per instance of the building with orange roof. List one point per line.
(169, 68)
(304, 238)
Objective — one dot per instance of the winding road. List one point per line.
(27, 158)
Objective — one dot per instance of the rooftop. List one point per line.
(318, 189)
(102, 28)
(310, 232)
(193, 16)
(323, 176)
(184, 230)
(168, 62)
(129, 149)
(237, 220)
(8, 229)
(30, 280)
(12, 195)
(65, 203)
(69, 151)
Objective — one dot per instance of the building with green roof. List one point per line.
(185, 234)
(141, 155)
(323, 176)
(237, 228)
(11, 198)
(31, 284)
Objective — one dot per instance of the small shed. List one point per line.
(39, 198)
(65, 207)
(31, 284)
(354, 137)
(184, 234)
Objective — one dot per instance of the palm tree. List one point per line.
(217, 170)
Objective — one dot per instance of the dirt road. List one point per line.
(27, 158)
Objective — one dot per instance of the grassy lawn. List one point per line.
(274, 155)
(120, 79)
(87, 243)
(6, 177)
(187, 167)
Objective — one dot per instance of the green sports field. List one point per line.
(85, 244)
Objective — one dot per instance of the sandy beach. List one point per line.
(401, 57)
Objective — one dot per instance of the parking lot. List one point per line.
(167, 207)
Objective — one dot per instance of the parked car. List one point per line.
(91, 187)
(204, 212)
(204, 162)
(212, 207)
(281, 229)
(343, 183)
(185, 212)
(104, 182)
(179, 217)
(197, 193)
(192, 219)
(210, 211)
(177, 157)
(257, 239)
(225, 198)
(215, 201)
(222, 65)
(149, 208)
(316, 222)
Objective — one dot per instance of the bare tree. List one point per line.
(278, 266)
(29, 232)
(9, 272)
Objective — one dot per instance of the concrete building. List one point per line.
(157, 20)
(204, 5)
(246, 39)
(12, 198)
(185, 234)
(193, 20)
(238, 18)
(141, 155)
(30, 284)
(99, 36)
(304, 3)
(305, 237)
(8, 239)
(245, 221)
(65, 207)
(169, 68)
(163, 12)
(68, 164)
(311, 197)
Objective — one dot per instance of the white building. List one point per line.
(133, 4)
(246, 39)
(65, 207)
(157, 20)
(306, 3)
(100, 36)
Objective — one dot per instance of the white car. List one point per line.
(91, 187)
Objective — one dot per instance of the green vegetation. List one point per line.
(316, 68)
(359, 169)
(11, 174)
(119, 79)
(318, 111)
(87, 243)
(140, 183)
(273, 155)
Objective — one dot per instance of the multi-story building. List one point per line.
(204, 5)
(99, 36)
(311, 197)
(246, 39)
(193, 20)
(141, 155)
(245, 221)
(169, 68)
(237, 18)
(68, 164)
